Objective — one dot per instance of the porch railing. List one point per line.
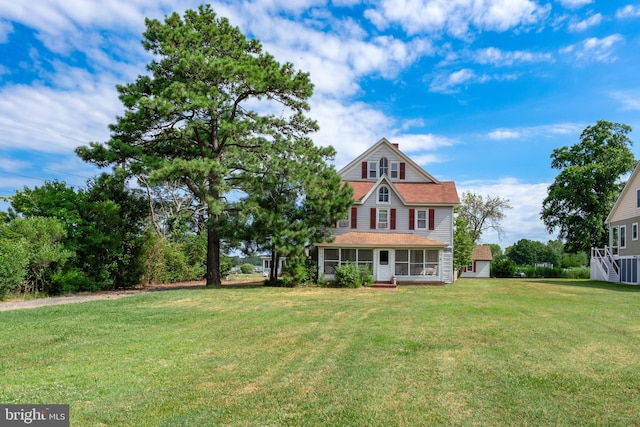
(604, 265)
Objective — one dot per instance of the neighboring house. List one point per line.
(266, 266)
(401, 223)
(618, 262)
(480, 265)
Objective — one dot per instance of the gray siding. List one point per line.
(633, 246)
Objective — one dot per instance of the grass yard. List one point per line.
(480, 352)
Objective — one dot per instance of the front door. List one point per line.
(384, 266)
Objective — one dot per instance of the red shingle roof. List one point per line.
(356, 238)
(426, 193)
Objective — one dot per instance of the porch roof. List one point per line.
(381, 240)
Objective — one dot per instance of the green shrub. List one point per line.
(246, 268)
(366, 277)
(503, 268)
(348, 275)
(577, 273)
(13, 266)
(70, 282)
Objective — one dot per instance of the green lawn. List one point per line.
(480, 352)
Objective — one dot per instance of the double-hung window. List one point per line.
(373, 170)
(395, 170)
(623, 236)
(421, 220)
(383, 218)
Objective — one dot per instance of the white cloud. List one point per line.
(497, 57)
(536, 131)
(629, 11)
(629, 99)
(410, 143)
(523, 220)
(594, 49)
(56, 121)
(5, 29)
(500, 134)
(574, 4)
(586, 23)
(456, 17)
(455, 81)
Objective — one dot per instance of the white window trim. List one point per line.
(638, 198)
(388, 202)
(622, 236)
(372, 167)
(345, 223)
(426, 219)
(397, 171)
(381, 168)
(634, 231)
(383, 225)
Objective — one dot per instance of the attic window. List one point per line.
(383, 195)
(384, 167)
(638, 198)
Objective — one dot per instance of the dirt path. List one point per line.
(77, 298)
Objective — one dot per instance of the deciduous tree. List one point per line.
(583, 193)
(483, 214)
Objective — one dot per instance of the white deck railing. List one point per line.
(603, 264)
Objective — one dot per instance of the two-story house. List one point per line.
(401, 221)
(619, 261)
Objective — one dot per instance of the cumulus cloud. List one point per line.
(574, 4)
(456, 17)
(586, 23)
(594, 49)
(629, 11)
(523, 220)
(5, 29)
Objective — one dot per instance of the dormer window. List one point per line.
(383, 195)
(384, 166)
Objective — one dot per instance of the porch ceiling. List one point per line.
(382, 240)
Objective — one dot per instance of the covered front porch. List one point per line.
(391, 257)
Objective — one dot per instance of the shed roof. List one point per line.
(481, 253)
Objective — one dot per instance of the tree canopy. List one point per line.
(211, 115)
(483, 214)
(585, 190)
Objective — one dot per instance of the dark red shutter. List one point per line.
(393, 219)
(402, 170)
(364, 170)
(372, 222)
(354, 217)
(432, 219)
(474, 266)
(412, 219)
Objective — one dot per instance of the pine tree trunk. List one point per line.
(213, 256)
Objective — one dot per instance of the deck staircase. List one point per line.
(604, 266)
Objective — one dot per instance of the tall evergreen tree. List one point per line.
(201, 118)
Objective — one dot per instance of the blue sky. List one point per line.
(476, 91)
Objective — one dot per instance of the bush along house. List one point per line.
(401, 223)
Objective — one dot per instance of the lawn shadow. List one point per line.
(618, 287)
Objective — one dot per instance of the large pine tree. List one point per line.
(202, 116)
